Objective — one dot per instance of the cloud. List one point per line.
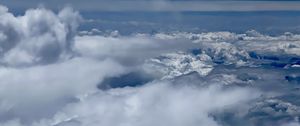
(159, 103)
(291, 124)
(36, 92)
(37, 37)
(222, 47)
(128, 50)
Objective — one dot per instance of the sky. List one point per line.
(160, 5)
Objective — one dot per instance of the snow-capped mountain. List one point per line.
(177, 64)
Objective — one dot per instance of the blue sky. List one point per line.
(269, 16)
(160, 5)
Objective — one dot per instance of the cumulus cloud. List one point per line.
(38, 36)
(38, 72)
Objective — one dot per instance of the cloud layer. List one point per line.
(156, 104)
(50, 75)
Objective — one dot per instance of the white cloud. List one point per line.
(131, 50)
(39, 36)
(36, 92)
(3, 9)
(291, 124)
(157, 104)
(15, 122)
(224, 47)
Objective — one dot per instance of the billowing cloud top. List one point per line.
(39, 36)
